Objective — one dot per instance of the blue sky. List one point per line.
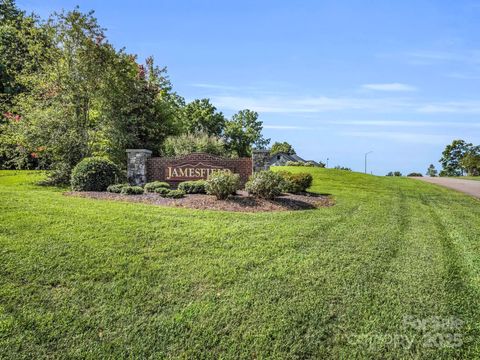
(334, 78)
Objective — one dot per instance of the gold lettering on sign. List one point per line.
(187, 172)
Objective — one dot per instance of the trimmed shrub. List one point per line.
(131, 190)
(222, 184)
(294, 163)
(94, 174)
(116, 188)
(296, 183)
(193, 187)
(415, 174)
(162, 191)
(265, 184)
(301, 163)
(154, 185)
(338, 167)
(174, 194)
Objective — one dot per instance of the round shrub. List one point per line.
(193, 187)
(162, 191)
(94, 174)
(222, 184)
(296, 183)
(174, 194)
(154, 185)
(415, 174)
(116, 188)
(131, 190)
(294, 163)
(265, 184)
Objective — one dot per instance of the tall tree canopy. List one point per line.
(244, 132)
(282, 147)
(200, 116)
(451, 157)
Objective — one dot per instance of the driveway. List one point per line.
(470, 187)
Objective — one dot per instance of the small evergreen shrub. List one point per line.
(131, 190)
(301, 163)
(116, 188)
(296, 183)
(193, 187)
(154, 185)
(294, 163)
(222, 184)
(174, 194)
(94, 174)
(338, 167)
(265, 184)
(162, 191)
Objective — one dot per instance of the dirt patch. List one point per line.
(241, 202)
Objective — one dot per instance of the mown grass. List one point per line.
(84, 278)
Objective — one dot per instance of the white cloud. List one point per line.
(432, 139)
(389, 87)
(287, 104)
(452, 107)
(287, 127)
(376, 123)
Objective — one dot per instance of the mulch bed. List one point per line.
(241, 202)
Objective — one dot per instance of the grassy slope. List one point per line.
(86, 278)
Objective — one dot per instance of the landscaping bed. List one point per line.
(241, 202)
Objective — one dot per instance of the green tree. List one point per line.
(451, 157)
(471, 161)
(200, 116)
(282, 147)
(243, 132)
(92, 100)
(23, 45)
(187, 143)
(23, 42)
(431, 171)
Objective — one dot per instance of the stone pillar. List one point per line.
(260, 160)
(137, 166)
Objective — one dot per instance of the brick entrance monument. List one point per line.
(143, 168)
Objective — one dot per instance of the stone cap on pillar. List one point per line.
(144, 151)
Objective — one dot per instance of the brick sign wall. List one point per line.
(195, 166)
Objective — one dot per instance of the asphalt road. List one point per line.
(470, 187)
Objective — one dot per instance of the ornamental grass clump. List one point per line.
(154, 185)
(265, 185)
(94, 174)
(222, 184)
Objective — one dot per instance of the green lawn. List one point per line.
(84, 278)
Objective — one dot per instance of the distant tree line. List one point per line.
(66, 93)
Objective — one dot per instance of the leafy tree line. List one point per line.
(460, 158)
(66, 93)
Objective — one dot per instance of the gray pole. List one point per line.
(366, 154)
